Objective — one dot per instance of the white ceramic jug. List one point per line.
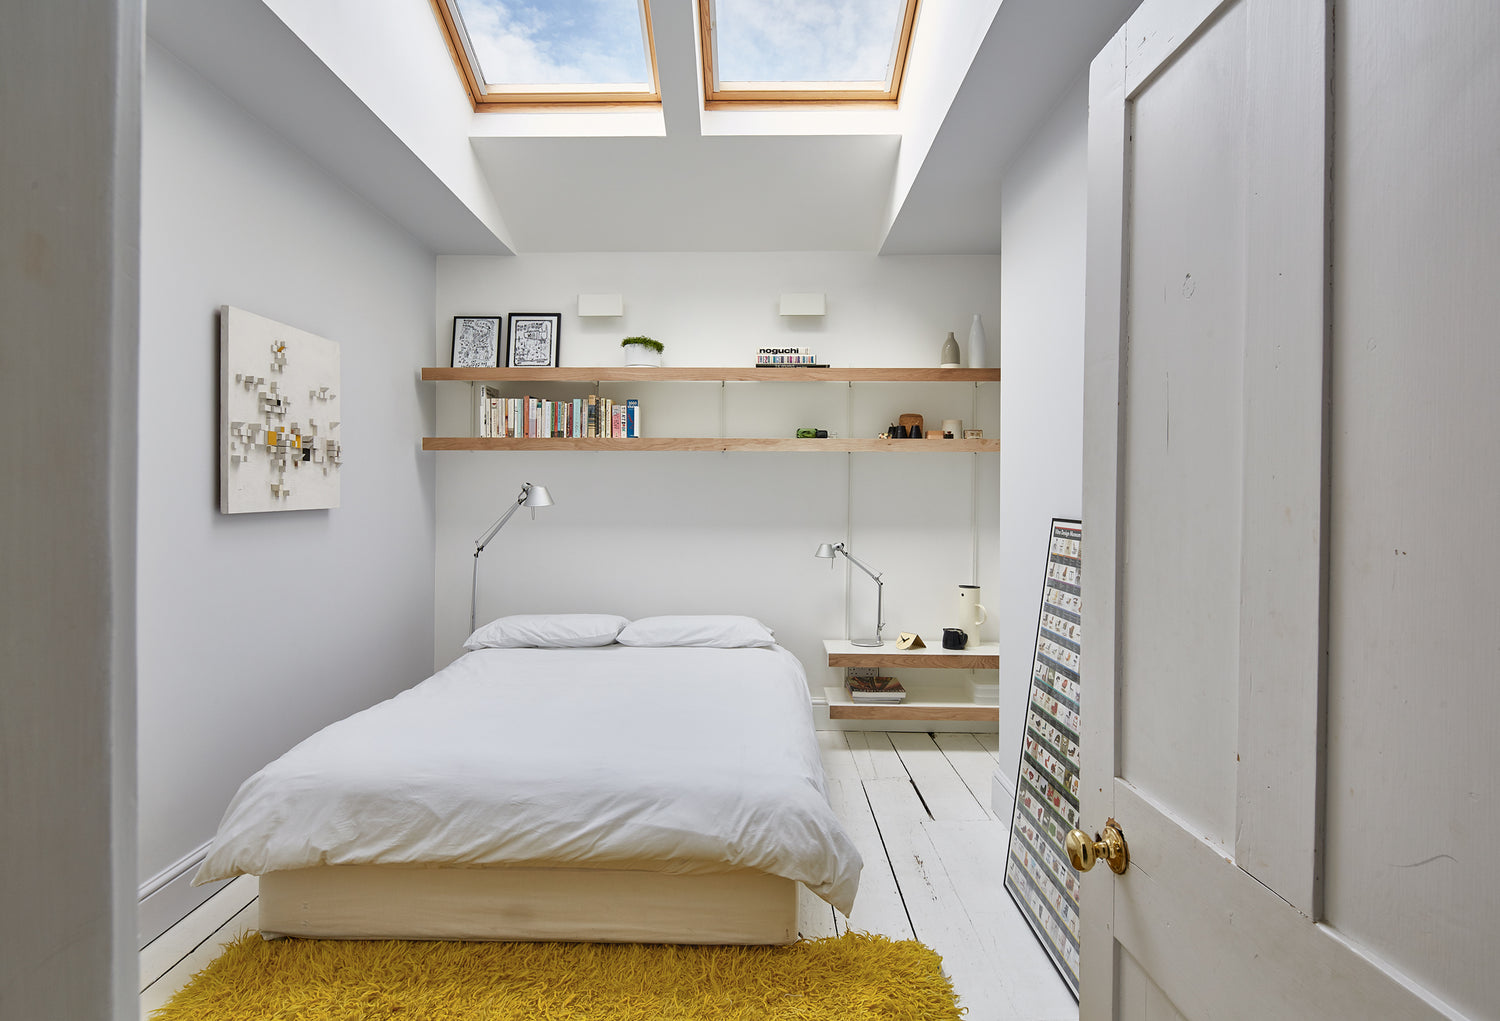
(970, 613)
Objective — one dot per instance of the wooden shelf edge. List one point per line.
(622, 374)
(917, 661)
(976, 713)
(840, 707)
(712, 444)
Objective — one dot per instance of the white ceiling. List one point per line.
(678, 179)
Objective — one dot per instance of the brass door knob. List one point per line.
(1083, 851)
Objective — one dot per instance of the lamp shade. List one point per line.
(537, 496)
(825, 550)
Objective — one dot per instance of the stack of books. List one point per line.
(537, 417)
(787, 358)
(865, 685)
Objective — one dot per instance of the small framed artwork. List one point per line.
(534, 339)
(476, 342)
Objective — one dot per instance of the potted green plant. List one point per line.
(642, 351)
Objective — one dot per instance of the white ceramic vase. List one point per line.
(977, 355)
(641, 355)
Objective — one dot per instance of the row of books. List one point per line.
(865, 685)
(538, 417)
(778, 357)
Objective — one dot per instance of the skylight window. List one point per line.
(804, 50)
(551, 51)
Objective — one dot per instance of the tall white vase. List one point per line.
(978, 357)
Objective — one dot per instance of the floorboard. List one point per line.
(158, 956)
(942, 790)
(247, 919)
(874, 756)
(972, 762)
(936, 878)
(838, 759)
(878, 907)
(933, 901)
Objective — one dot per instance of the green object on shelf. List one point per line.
(806, 434)
(654, 345)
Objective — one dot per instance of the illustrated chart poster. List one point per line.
(1037, 874)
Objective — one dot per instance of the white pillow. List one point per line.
(547, 631)
(704, 631)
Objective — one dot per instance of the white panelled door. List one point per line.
(1208, 501)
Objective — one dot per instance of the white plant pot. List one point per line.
(641, 355)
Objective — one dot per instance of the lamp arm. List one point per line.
(484, 540)
(857, 563)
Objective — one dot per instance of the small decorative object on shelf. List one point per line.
(978, 358)
(787, 358)
(642, 351)
(950, 356)
(973, 434)
(476, 342)
(910, 640)
(534, 340)
(812, 434)
(955, 638)
(952, 427)
(911, 424)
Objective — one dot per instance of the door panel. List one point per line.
(1415, 574)
(1182, 451)
(1271, 482)
(1139, 998)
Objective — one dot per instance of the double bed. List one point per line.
(656, 792)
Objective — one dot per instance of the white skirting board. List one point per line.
(1002, 795)
(167, 897)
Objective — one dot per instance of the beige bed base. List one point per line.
(504, 903)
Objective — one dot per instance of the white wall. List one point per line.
(645, 533)
(69, 200)
(1043, 208)
(255, 630)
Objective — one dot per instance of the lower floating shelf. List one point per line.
(840, 707)
(720, 444)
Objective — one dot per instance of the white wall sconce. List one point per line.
(803, 305)
(601, 305)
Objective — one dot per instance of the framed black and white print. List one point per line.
(476, 342)
(534, 339)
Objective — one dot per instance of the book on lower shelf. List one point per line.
(865, 685)
(536, 417)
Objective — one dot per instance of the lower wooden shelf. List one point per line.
(840, 707)
(769, 444)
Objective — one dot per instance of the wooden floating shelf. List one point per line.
(841, 708)
(975, 657)
(621, 374)
(690, 443)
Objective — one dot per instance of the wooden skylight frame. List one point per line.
(493, 98)
(717, 94)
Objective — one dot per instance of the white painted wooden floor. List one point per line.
(917, 807)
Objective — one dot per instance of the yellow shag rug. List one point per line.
(853, 977)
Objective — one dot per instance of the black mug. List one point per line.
(954, 638)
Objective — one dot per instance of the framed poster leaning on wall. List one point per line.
(1037, 874)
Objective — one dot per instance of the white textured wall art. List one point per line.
(279, 446)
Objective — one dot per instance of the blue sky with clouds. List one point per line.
(806, 40)
(525, 42)
(549, 42)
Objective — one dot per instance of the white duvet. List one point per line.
(674, 760)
